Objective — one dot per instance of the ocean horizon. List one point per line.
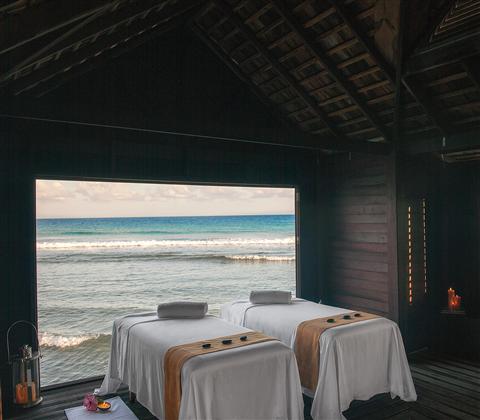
(166, 217)
(93, 270)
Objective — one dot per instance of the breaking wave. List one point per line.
(261, 258)
(60, 341)
(163, 243)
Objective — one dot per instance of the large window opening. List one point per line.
(108, 249)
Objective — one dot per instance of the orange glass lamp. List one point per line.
(25, 371)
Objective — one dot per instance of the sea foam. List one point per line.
(261, 258)
(164, 243)
(55, 340)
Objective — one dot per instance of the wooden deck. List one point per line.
(448, 388)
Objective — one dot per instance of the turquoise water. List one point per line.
(91, 271)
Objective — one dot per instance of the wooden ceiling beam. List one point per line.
(327, 63)
(303, 140)
(57, 40)
(446, 79)
(72, 57)
(105, 57)
(415, 90)
(322, 73)
(250, 35)
(367, 44)
(430, 28)
(42, 19)
(90, 31)
(459, 141)
(439, 54)
(420, 94)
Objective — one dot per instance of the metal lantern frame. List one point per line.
(25, 371)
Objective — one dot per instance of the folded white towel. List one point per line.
(270, 296)
(182, 309)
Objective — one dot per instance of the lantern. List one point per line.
(25, 371)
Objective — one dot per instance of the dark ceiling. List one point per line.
(328, 68)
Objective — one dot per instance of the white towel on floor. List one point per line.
(118, 411)
(270, 296)
(182, 309)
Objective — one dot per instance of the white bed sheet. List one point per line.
(357, 361)
(260, 381)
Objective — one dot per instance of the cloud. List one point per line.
(52, 191)
(112, 199)
(114, 191)
(103, 191)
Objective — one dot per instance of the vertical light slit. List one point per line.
(410, 277)
(424, 220)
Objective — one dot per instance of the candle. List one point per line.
(458, 301)
(21, 393)
(451, 299)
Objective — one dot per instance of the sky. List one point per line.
(78, 199)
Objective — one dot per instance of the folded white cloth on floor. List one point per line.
(118, 411)
(182, 309)
(270, 296)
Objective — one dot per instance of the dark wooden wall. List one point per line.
(452, 193)
(459, 258)
(459, 185)
(362, 267)
(417, 183)
(36, 150)
(30, 149)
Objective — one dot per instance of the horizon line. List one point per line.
(158, 217)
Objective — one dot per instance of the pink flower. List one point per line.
(90, 402)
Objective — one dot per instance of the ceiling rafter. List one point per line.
(248, 33)
(99, 60)
(360, 35)
(305, 139)
(102, 26)
(440, 54)
(420, 94)
(39, 20)
(430, 28)
(75, 57)
(457, 141)
(57, 40)
(413, 88)
(330, 66)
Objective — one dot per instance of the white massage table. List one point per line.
(258, 381)
(357, 361)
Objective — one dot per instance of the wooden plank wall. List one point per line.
(37, 149)
(191, 93)
(362, 261)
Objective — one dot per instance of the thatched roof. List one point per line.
(328, 67)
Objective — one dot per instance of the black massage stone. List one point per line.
(357, 315)
(227, 341)
(206, 345)
(243, 338)
(347, 317)
(330, 320)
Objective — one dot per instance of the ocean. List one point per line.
(91, 271)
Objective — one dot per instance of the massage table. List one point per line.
(257, 381)
(356, 361)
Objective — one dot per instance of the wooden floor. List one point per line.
(447, 388)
